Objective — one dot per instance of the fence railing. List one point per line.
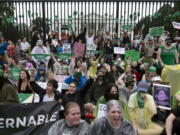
(43, 16)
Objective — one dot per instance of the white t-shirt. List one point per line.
(24, 45)
(89, 40)
(47, 99)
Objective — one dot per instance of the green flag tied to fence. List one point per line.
(14, 73)
(40, 57)
(156, 31)
(63, 56)
(135, 55)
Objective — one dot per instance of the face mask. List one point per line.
(112, 96)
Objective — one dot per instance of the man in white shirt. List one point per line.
(40, 49)
(24, 46)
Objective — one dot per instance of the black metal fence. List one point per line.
(43, 16)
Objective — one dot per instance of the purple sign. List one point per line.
(162, 97)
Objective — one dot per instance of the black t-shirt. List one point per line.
(176, 112)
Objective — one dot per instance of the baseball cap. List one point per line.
(156, 78)
(41, 68)
(142, 86)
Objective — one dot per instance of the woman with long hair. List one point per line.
(23, 82)
(111, 93)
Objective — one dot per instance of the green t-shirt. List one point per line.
(168, 55)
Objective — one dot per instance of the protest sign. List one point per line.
(79, 49)
(28, 119)
(66, 48)
(135, 55)
(40, 57)
(176, 25)
(119, 50)
(101, 110)
(14, 73)
(156, 31)
(162, 96)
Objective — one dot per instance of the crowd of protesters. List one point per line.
(97, 77)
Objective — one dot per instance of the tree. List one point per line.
(7, 22)
(39, 24)
(163, 17)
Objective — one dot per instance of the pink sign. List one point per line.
(79, 49)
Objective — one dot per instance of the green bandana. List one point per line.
(140, 100)
(152, 69)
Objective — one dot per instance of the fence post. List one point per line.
(117, 16)
(44, 19)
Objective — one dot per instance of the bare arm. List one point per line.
(177, 57)
(169, 124)
(159, 56)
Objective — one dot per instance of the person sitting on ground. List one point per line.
(121, 80)
(97, 89)
(71, 124)
(172, 123)
(48, 94)
(113, 123)
(142, 108)
(77, 78)
(41, 74)
(23, 82)
(151, 73)
(7, 92)
(77, 95)
(111, 93)
(128, 89)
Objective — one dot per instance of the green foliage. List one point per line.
(163, 17)
(39, 26)
(7, 22)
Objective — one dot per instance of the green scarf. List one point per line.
(140, 100)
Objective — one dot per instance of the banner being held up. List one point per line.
(28, 119)
(132, 54)
(156, 31)
(79, 49)
(40, 57)
(119, 50)
(176, 25)
(14, 73)
(63, 56)
(162, 96)
(101, 110)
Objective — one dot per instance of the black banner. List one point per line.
(28, 119)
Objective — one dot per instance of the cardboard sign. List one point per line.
(132, 54)
(101, 110)
(66, 48)
(156, 31)
(176, 25)
(119, 50)
(162, 96)
(79, 49)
